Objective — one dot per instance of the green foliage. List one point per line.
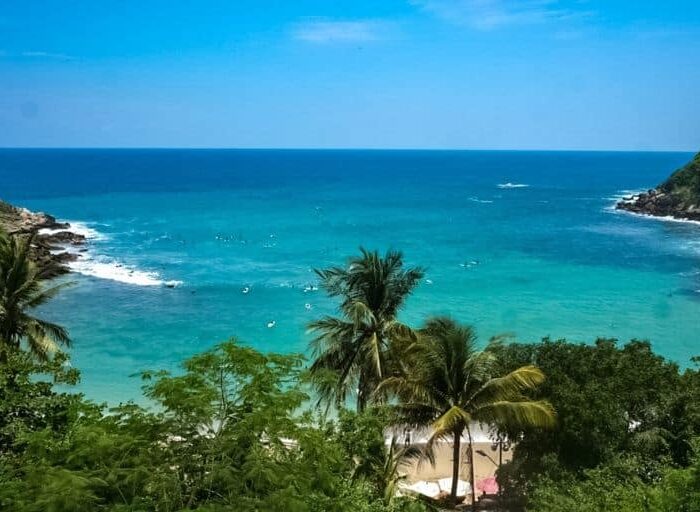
(229, 430)
(679, 490)
(23, 287)
(225, 434)
(616, 487)
(613, 488)
(451, 385)
(685, 182)
(361, 435)
(356, 350)
(611, 402)
(380, 465)
(28, 402)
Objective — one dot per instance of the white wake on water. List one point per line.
(481, 201)
(512, 185)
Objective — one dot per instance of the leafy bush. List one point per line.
(225, 435)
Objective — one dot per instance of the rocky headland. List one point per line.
(678, 197)
(53, 241)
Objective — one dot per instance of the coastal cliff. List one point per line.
(51, 238)
(677, 197)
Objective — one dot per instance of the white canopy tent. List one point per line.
(429, 489)
(463, 488)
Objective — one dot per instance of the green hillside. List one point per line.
(685, 183)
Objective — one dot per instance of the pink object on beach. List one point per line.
(488, 485)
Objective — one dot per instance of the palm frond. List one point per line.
(357, 344)
(360, 314)
(509, 387)
(397, 331)
(22, 289)
(50, 330)
(47, 294)
(41, 346)
(454, 419)
(524, 414)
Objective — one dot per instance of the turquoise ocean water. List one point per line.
(517, 242)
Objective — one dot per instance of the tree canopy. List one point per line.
(353, 352)
(613, 402)
(237, 429)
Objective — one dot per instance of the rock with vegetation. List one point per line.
(677, 197)
(49, 237)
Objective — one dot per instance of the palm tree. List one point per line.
(386, 468)
(22, 288)
(354, 350)
(451, 387)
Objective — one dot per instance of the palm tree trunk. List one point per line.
(455, 466)
(472, 479)
(362, 394)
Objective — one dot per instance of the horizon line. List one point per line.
(378, 149)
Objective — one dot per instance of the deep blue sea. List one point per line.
(514, 242)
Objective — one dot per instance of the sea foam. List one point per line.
(79, 228)
(623, 196)
(103, 267)
(116, 272)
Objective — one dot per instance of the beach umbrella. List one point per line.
(488, 485)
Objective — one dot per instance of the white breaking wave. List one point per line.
(47, 231)
(666, 218)
(79, 228)
(104, 267)
(512, 185)
(623, 196)
(116, 272)
(631, 192)
(477, 200)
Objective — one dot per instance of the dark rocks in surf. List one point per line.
(677, 197)
(50, 237)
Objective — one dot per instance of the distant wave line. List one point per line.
(512, 185)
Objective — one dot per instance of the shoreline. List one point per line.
(62, 247)
(55, 246)
(661, 218)
(657, 205)
(619, 201)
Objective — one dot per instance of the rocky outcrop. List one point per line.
(677, 197)
(51, 238)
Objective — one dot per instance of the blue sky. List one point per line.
(475, 74)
